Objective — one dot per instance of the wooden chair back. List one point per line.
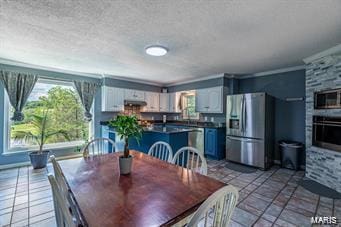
(99, 146)
(217, 210)
(191, 158)
(63, 215)
(161, 150)
(65, 192)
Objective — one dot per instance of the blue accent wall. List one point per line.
(289, 115)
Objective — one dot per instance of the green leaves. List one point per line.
(40, 132)
(65, 114)
(127, 127)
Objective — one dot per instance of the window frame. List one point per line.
(54, 146)
(184, 103)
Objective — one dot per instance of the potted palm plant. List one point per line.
(126, 127)
(40, 132)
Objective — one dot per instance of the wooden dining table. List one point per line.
(155, 193)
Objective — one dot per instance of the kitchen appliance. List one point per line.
(330, 99)
(134, 103)
(250, 129)
(327, 132)
(196, 138)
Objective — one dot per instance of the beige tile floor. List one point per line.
(270, 198)
(273, 197)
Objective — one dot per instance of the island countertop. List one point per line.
(166, 129)
(175, 136)
(190, 124)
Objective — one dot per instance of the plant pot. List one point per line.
(125, 164)
(39, 160)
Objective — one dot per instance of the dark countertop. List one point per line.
(159, 128)
(197, 124)
(168, 130)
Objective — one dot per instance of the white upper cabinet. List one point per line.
(134, 95)
(112, 99)
(201, 101)
(153, 102)
(209, 100)
(174, 102)
(164, 102)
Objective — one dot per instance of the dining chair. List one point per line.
(63, 215)
(99, 146)
(64, 192)
(191, 158)
(161, 150)
(217, 209)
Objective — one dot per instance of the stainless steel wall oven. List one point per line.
(327, 132)
(330, 99)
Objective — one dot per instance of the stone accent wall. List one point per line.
(322, 165)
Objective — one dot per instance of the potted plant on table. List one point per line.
(126, 127)
(40, 132)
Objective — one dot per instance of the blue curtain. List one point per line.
(87, 91)
(19, 87)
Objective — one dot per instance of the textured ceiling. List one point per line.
(204, 37)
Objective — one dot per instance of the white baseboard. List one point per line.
(14, 165)
(21, 164)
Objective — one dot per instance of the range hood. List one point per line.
(134, 103)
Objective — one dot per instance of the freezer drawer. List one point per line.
(246, 151)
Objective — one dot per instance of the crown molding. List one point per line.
(221, 75)
(272, 72)
(132, 80)
(38, 67)
(334, 50)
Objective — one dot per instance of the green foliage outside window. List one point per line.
(189, 107)
(65, 113)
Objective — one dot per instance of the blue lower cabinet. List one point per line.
(211, 142)
(215, 143)
(110, 133)
(175, 140)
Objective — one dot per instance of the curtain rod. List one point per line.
(85, 78)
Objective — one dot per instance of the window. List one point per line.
(64, 111)
(188, 103)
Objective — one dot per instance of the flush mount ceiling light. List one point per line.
(156, 50)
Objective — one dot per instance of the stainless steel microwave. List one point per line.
(330, 99)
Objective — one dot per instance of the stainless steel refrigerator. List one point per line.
(250, 129)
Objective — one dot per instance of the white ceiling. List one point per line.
(204, 37)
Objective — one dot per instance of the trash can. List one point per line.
(290, 151)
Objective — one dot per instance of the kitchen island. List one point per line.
(176, 137)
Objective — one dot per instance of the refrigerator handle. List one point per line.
(245, 140)
(242, 116)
